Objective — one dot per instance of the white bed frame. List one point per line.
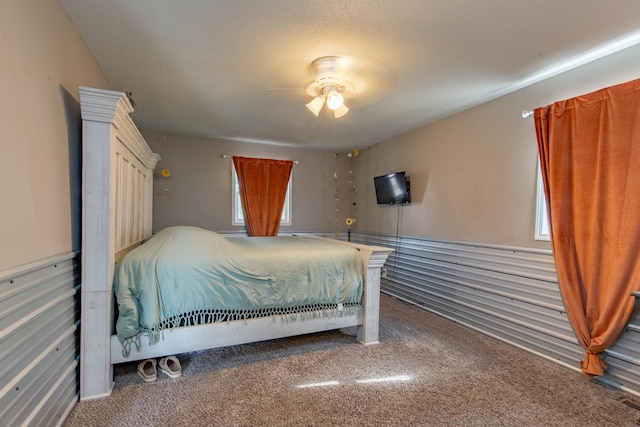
(116, 215)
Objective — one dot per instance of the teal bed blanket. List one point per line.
(188, 275)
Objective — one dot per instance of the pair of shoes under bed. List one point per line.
(170, 366)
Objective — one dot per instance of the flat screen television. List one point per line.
(392, 188)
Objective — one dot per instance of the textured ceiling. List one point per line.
(237, 69)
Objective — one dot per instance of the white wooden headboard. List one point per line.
(117, 193)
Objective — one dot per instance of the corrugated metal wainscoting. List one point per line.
(508, 293)
(38, 341)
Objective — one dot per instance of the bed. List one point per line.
(117, 199)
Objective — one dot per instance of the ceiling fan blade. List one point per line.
(282, 89)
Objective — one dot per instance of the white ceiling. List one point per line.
(205, 67)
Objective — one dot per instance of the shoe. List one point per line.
(147, 370)
(170, 366)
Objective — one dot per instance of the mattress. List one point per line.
(188, 275)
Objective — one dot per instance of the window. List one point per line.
(542, 221)
(238, 215)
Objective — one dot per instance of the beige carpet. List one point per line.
(426, 371)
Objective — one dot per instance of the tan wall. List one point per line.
(199, 190)
(43, 60)
(473, 175)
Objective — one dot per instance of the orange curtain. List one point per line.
(589, 150)
(263, 188)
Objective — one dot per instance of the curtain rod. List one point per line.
(225, 156)
(527, 113)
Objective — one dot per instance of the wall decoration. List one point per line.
(352, 188)
(349, 222)
(335, 197)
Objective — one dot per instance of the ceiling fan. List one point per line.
(327, 87)
(334, 79)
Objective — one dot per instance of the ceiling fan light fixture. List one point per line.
(334, 99)
(341, 111)
(316, 105)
